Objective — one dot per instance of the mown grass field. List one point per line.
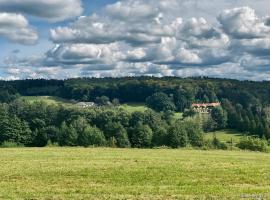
(101, 173)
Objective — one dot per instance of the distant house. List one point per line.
(204, 107)
(85, 104)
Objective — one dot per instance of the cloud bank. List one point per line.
(136, 37)
(51, 10)
(15, 28)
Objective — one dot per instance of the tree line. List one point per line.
(244, 107)
(37, 124)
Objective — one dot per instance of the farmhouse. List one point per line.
(204, 107)
(85, 104)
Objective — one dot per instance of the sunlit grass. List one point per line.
(47, 99)
(133, 107)
(80, 173)
(225, 135)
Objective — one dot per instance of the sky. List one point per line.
(58, 39)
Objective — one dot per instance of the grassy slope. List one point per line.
(47, 99)
(79, 173)
(225, 135)
(133, 107)
(130, 107)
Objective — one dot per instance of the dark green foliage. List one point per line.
(118, 132)
(189, 113)
(40, 138)
(67, 135)
(8, 94)
(160, 136)
(13, 129)
(141, 136)
(102, 101)
(253, 144)
(52, 133)
(92, 136)
(160, 102)
(217, 144)
(220, 117)
(178, 136)
(194, 131)
(245, 107)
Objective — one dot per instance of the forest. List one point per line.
(244, 107)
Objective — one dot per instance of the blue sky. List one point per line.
(74, 38)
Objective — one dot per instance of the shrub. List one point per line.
(67, 135)
(141, 136)
(160, 102)
(92, 136)
(10, 144)
(178, 136)
(253, 144)
(217, 144)
(52, 144)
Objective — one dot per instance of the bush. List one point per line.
(67, 135)
(217, 144)
(214, 144)
(52, 144)
(160, 102)
(92, 136)
(141, 136)
(178, 136)
(10, 144)
(194, 131)
(253, 144)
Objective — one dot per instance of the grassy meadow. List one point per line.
(133, 107)
(104, 173)
(225, 135)
(48, 99)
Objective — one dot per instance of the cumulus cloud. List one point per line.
(136, 37)
(133, 11)
(158, 39)
(243, 23)
(15, 28)
(84, 54)
(51, 10)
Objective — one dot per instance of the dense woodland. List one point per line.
(245, 107)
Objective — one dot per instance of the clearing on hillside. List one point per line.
(225, 135)
(47, 99)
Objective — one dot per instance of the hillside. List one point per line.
(134, 112)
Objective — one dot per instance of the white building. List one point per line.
(85, 104)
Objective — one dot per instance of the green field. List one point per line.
(133, 107)
(47, 99)
(225, 135)
(81, 173)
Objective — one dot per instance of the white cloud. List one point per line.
(166, 37)
(15, 28)
(77, 54)
(133, 11)
(188, 57)
(243, 23)
(51, 10)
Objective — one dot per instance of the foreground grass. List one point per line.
(78, 173)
